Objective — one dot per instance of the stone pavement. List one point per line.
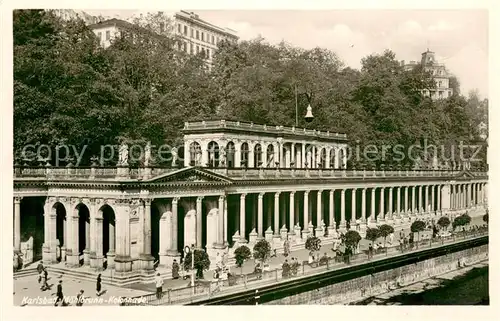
(28, 287)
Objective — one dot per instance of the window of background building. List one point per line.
(202, 36)
(213, 39)
(178, 27)
(185, 30)
(197, 35)
(108, 35)
(197, 49)
(192, 32)
(99, 35)
(191, 49)
(440, 83)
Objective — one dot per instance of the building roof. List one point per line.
(191, 16)
(112, 23)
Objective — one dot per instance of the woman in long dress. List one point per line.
(98, 285)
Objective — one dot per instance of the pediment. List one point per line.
(191, 174)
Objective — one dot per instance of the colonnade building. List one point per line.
(240, 183)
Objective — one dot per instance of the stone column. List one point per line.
(199, 226)
(342, 209)
(225, 221)
(110, 256)
(123, 261)
(371, 218)
(305, 231)
(242, 218)
(260, 216)
(292, 212)
(319, 213)
(390, 203)
(175, 227)
(277, 213)
(382, 205)
(204, 154)
(281, 154)
(438, 198)
(331, 213)
(147, 227)
(17, 224)
(353, 208)
(433, 191)
(398, 200)
(97, 260)
(404, 206)
(363, 205)
(413, 193)
(88, 244)
(220, 222)
(73, 251)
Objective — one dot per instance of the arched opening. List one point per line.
(83, 228)
(332, 158)
(195, 154)
(309, 156)
(244, 155)
(270, 156)
(322, 158)
(213, 154)
(108, 233)
(230, 154)
(257, 155)
(32, 227)
(341, 159)
(61, 230)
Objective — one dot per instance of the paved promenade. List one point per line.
(27, 290)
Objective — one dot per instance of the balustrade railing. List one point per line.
(236, 283)
(235, 173)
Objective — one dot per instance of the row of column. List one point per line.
(302, 155)
(467, 195)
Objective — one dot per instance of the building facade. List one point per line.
(239, 183)
(196, 36)
(439, 74)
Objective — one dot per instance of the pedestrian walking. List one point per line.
(159, 286)
(45, 277)
(285, 269)
(79, 299)
(286, 248)
(98, 285)
(175, 270)
(39, 269)
(370, 251)
(59, 295)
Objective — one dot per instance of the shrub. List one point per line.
(352, 238)
(313, 243)
(444, 222)
(372, 234)
(262, 250)
(385, 231)
(417, 227)
(201, 261)
(242, 254)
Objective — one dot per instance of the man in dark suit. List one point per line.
(59, 294)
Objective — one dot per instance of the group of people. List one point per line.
(43, 280)
(290, 269)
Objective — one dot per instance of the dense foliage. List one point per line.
(461, 220)
(372, 234)
(201, 260)
(444, 221)
(262, 250)
(417, 227)
(313, 243)
(241, 254)
(68, 90)
(385, 231)
(352, 239)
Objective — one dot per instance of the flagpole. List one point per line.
(296, 108)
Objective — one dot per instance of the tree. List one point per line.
(417, 227)
(372, 234)
(352, 239)
(241, 254)
(385, 231)
(313, 244)
(201, 262)
(262, 250)
(444, 222)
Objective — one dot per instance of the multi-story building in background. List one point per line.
(440, 74)
(196, 36)
(200, 36)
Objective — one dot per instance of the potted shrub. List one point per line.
(385, 231)
(313, 244)
(352, 239)
(241, 254)
(201, 262)
(444, 222)
(417, 227)
(262, 251)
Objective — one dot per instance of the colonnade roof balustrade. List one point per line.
(213, 126)
(111, 174)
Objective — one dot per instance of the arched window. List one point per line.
(230, 154)
(257, 155)
(244, 155)
(213, 154)
(195, 154)
(270, 156)
(332, 158)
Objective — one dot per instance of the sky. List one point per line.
(458, 37)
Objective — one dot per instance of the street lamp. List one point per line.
(191, 250)
(309, 116)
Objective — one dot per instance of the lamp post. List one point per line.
(191, 250)
(309, 116)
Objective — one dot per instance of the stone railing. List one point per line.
(119, 173)
(214, 124)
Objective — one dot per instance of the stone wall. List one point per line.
(375, 284)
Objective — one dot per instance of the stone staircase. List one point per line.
(109, 277)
